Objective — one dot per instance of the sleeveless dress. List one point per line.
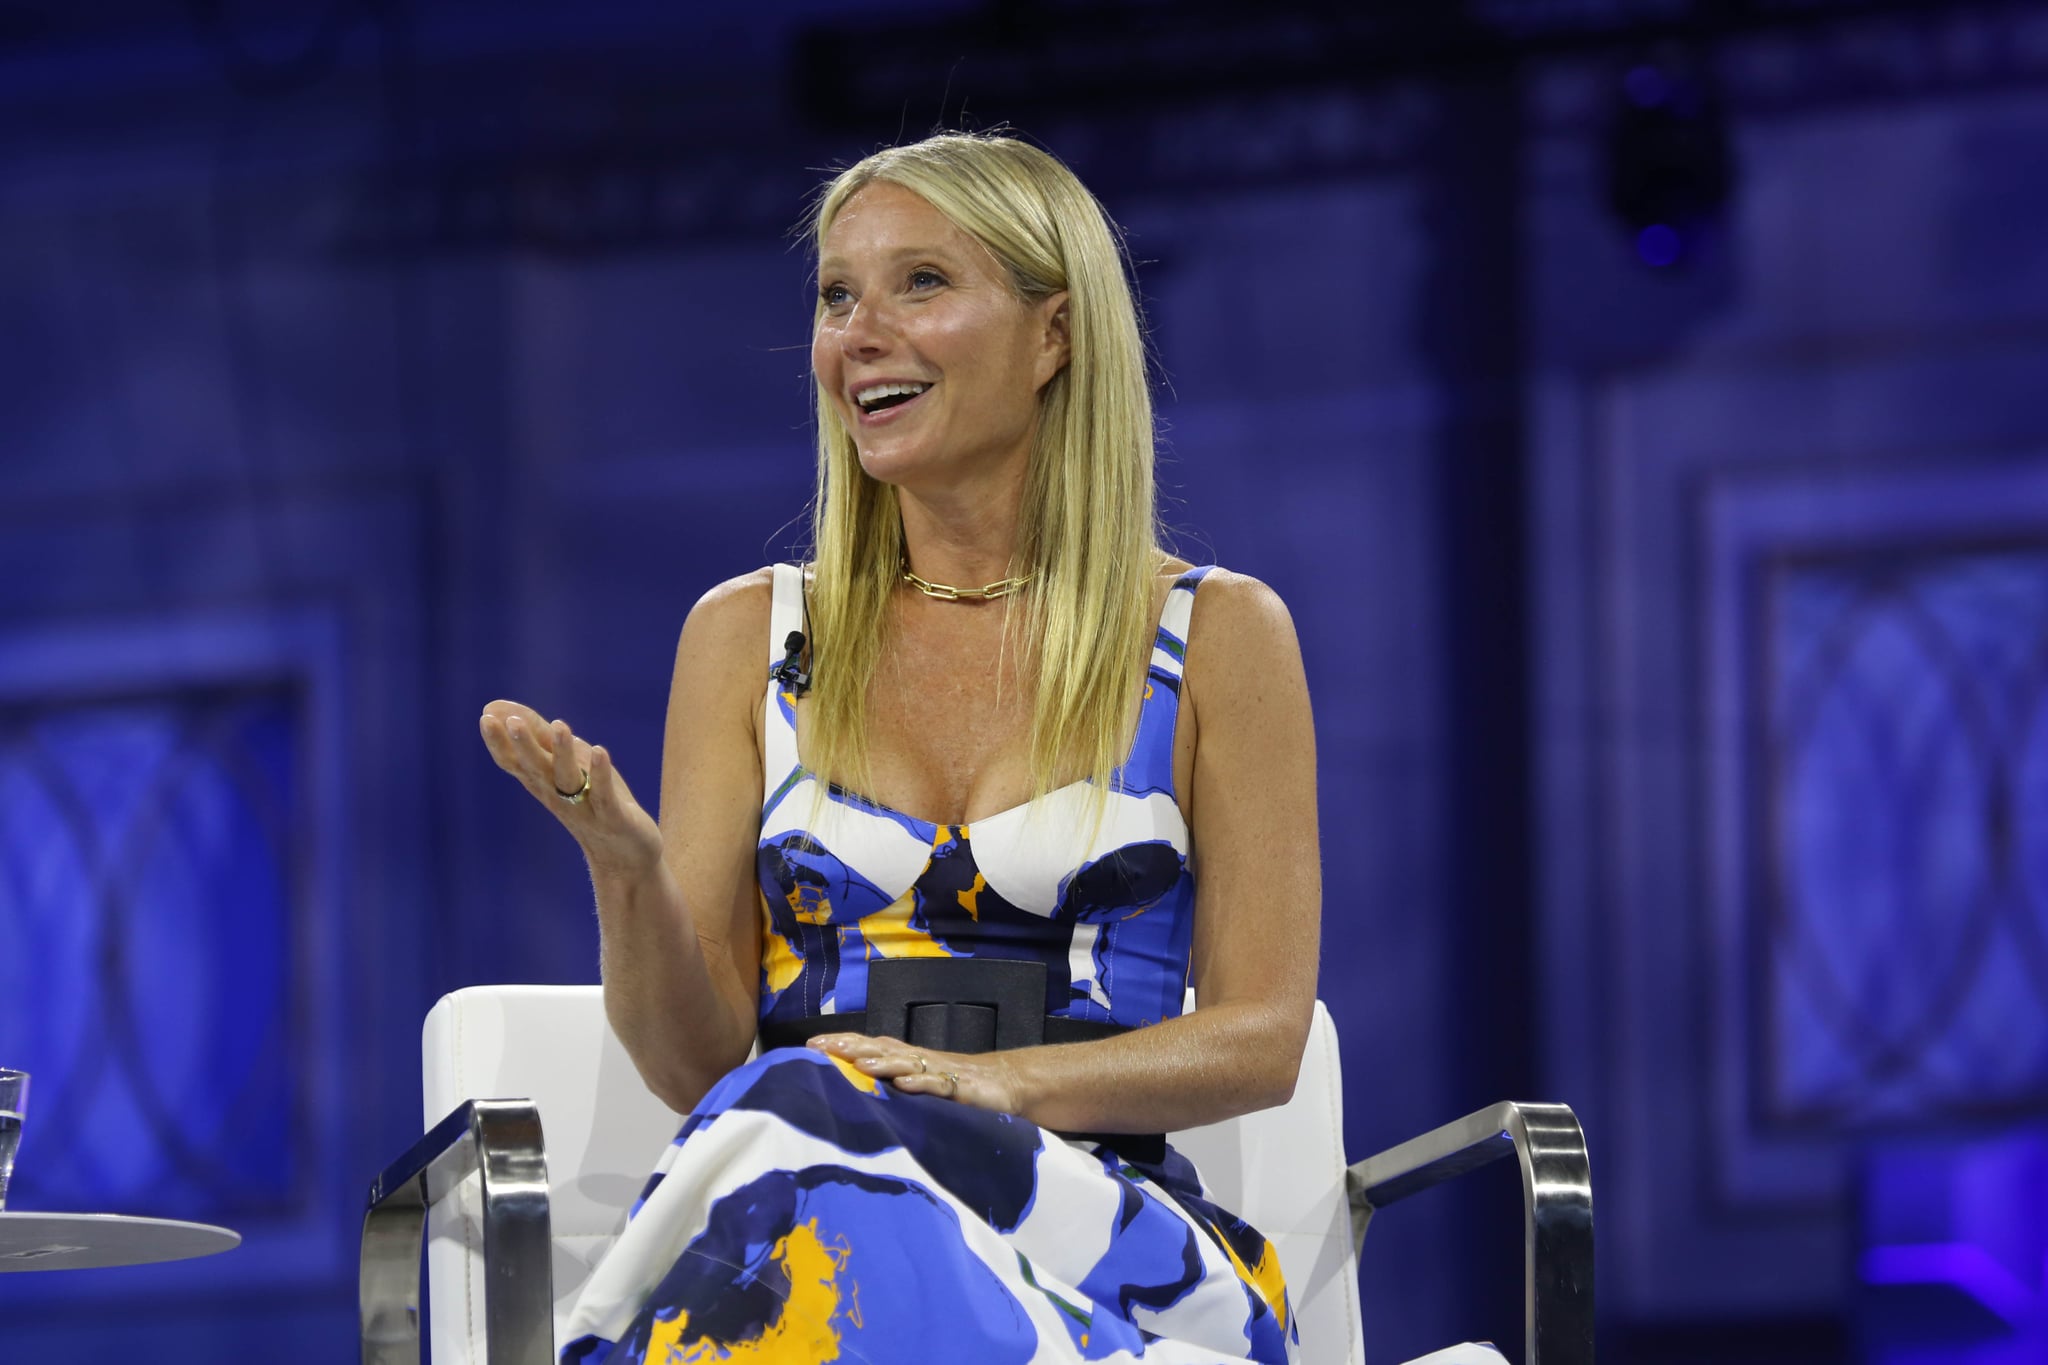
(806, 1212)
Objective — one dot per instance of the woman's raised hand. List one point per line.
(577, 782)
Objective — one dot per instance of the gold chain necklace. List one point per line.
(946, 592)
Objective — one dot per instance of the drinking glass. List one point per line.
(13, 1103)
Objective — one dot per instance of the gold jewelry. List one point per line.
(921, 1067)
(952, 1083)
(946, 592)
(575, 798)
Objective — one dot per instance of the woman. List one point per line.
(990, 637)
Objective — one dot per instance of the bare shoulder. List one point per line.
(1242, 654)
(1245, 689)
(1235, 613)
(725, 637)
(733, 613)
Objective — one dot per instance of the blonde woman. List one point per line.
(951, 818)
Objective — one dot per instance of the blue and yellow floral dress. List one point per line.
(806, 1212)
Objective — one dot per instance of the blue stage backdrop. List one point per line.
(1641, 408)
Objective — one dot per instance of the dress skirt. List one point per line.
(807, 1212)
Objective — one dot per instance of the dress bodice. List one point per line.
(1107, 904)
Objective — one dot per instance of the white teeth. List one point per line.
(875, 393)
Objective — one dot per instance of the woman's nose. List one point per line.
(868, 331)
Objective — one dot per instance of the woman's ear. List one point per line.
(1055, 348)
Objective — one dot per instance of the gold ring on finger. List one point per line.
(952, 1083)
(921, 1067)
(575, 798)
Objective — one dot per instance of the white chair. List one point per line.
(514, 1227)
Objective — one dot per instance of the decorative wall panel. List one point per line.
(170, 937)
(151, 852)
(1790, 508)
(1876, 714)
(1796, 713)
(1900, 833)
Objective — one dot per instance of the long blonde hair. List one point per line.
(1088, 529)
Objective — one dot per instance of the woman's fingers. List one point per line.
(530, 759)
(547, 758)
(949, 1075)
(498, 739)
(948, 1082)
(568, 769)
(551, 754)
(504, 736)
(608, 794)
(885, 1058)
(504, 709)
(508, 720)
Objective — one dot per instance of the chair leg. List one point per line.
(502, 1140)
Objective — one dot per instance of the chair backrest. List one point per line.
(1282, 1168)
(604, 1132)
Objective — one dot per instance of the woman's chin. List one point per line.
(885, 465)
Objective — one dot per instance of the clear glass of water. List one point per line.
(13, 1103)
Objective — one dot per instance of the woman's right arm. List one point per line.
(677, 904)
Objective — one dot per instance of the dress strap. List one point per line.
(787, 612)
(1170, 651)
(1150, 765)
(778, 758)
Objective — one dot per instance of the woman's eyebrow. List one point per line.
(833, 264)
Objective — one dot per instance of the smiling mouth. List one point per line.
(878, 398)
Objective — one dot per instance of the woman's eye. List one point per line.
(834, 296)
(926, 279)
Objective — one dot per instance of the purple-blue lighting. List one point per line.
(1660, 245)
(1961, 1265)
(1638, 409)
(1646, 87)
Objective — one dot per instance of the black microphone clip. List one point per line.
(791, 672)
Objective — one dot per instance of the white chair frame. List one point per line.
(517, 1222)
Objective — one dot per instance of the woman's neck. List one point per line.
(962, 537)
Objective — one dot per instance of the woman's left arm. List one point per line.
(1258, 903)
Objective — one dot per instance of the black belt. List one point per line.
(964, 1005)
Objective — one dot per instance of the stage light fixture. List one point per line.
(1670, 171)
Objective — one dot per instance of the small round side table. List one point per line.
(83, 1241)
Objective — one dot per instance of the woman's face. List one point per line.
(934, 364)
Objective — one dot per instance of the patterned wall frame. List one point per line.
(1876, 735)
(206, 751)
(1678, 507)
(313, 593)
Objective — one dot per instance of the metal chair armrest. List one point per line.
(502, 1139)
(1557, 1203)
